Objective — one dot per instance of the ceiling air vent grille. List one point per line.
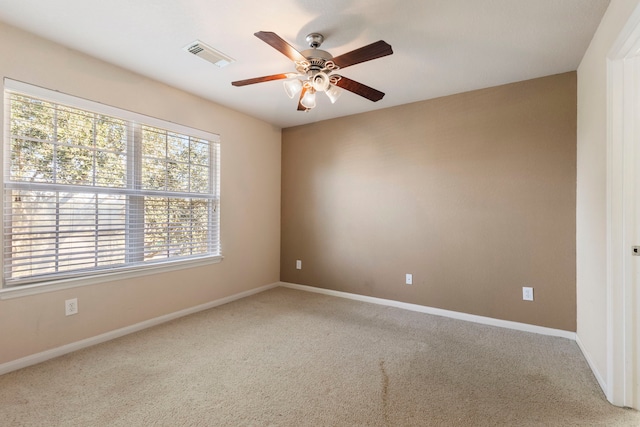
(208, 53)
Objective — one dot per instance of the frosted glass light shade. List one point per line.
(308, 101)
(292, 87)
(334, 93)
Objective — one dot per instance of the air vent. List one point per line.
(209, 54)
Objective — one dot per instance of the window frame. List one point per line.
(138, 120)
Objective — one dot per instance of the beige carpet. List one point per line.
(292, 358)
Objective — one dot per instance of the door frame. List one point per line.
(623, 176)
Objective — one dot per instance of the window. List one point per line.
(90, 188)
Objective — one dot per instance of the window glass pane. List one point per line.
(74, 165)
(55, 232)
(74, 127)
(178, 148)
(111, 170)
(32, 233)
(199, 179)
(32, 118)
(31, 161)
(177, 176)
(179, 226)
(111, 135)
(32, 129)
(155, 228)
(154, 143)
(200, 152)
(175, 227)
(200, 225)
(111, 228)
(154, 174)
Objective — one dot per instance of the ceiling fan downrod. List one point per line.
(314, 40)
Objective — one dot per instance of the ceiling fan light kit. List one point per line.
(314, 68)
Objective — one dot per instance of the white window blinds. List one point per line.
(89, 188)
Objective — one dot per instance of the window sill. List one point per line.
(57, 285)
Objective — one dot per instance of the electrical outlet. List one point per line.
(298, 264)
(527, 294)
(408, 279)
(71, 307)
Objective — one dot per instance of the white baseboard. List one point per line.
(592, 365)
(68, 348)
(438, 312)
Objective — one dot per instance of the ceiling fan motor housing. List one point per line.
(317, 60)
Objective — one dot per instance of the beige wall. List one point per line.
(591, 203)
(250, 207)
(474, 194)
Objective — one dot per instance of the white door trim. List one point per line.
(623, 83)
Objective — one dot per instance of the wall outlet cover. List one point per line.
(71, 306)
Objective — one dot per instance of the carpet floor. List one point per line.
(292, 358)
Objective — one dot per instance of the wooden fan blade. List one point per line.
(263, 79)
(360, 89)
(274, 40)
(300, 106)
(366, 53)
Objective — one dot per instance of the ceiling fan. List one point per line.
(315, 70)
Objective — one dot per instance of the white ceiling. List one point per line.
(440, 47)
